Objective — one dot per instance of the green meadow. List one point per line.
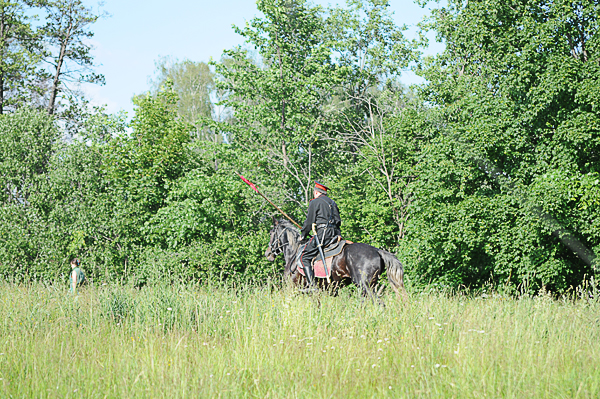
(185, 341)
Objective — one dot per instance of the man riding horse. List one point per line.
(322, 212)
(359, 263)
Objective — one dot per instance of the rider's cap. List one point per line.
(320, 188)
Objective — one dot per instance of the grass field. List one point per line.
(122, 342)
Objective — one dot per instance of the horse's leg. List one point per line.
(365, 266)
(362, 281)
(372, 291)
(339, 272)
(379, 298)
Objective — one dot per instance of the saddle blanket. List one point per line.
(332, 250)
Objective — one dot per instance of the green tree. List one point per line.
(278, 99)
(367, 41)
(193, 82)
(81, 210)
(142, 166)
(20, 51)
(375, 192)
(26, 145)
(506, 189)
(67, 33)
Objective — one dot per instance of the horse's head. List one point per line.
(274, 248)
(282, 236)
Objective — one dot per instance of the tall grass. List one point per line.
(250, 341)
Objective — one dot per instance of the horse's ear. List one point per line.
(274, 221)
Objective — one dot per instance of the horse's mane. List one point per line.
(286, 223)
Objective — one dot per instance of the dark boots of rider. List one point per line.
(310, 276)
(310, 280)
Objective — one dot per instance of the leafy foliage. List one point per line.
(487, 173)
(193, 82)
(500, 189)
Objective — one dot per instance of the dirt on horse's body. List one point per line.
(360, 263)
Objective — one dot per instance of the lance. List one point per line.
(268, 200)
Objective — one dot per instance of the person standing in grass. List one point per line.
(77, 276)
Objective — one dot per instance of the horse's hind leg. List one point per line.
(378, 294)
(369, 292)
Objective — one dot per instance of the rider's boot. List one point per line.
(310, 281)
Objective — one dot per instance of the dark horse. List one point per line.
(361, 263)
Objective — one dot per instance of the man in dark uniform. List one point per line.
(323, 212)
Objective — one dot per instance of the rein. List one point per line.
(279, 245)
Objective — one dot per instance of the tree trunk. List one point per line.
(61, 58)
(56, 80)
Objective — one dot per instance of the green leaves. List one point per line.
(25, 144)
(520, 136)
(20, 53)
(368, 44)
(489, 172)
(278, 99)
(67, 35)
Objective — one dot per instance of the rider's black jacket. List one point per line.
(322, 211)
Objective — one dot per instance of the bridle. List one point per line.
(279, 245)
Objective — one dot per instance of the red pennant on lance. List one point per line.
(270, 202)
(248, 183)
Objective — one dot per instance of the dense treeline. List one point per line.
(488, 172)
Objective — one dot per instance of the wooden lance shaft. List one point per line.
(268, 200)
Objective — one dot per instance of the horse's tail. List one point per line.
(395, 272)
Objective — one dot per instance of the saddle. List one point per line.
(333, 249)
